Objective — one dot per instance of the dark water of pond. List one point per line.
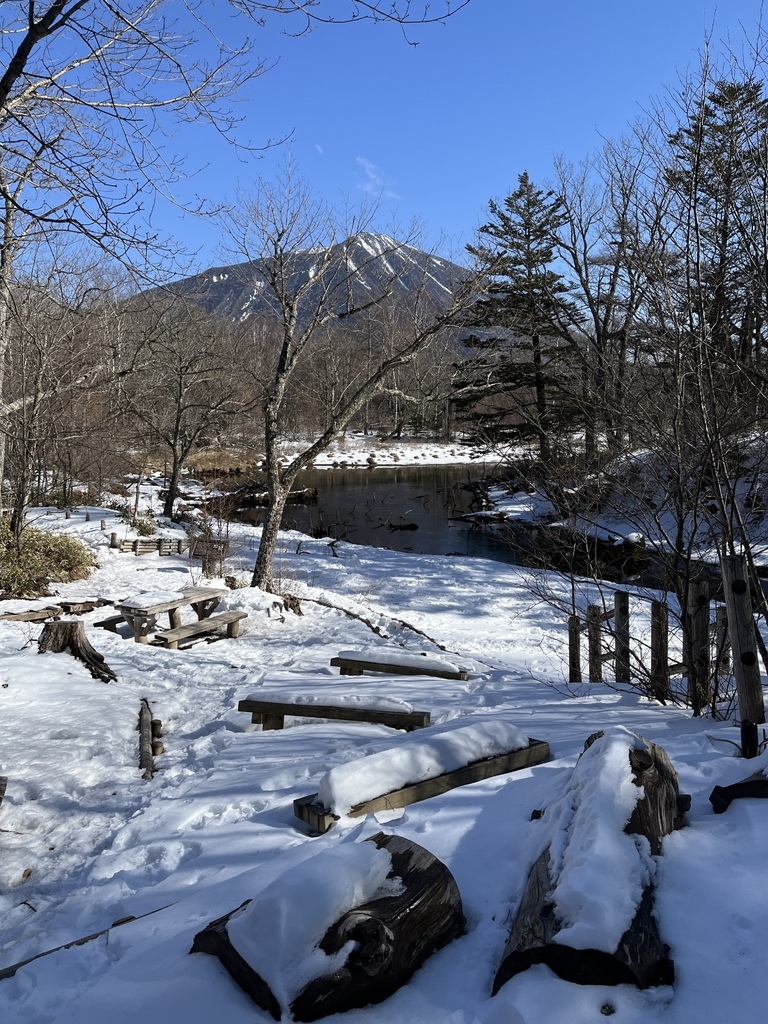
(371, 506)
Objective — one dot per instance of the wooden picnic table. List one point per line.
(140, 612)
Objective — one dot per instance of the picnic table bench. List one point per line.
(355, 663)
(270, 714)
(141, 612)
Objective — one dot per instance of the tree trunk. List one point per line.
(263, 570)
(173, 485)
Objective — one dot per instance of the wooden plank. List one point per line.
(171, 637)
(33, 614)
(356, 666)
(320, 819)
(407, 720)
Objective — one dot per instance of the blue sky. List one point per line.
(437, 129)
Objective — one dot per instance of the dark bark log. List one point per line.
(393, 937)
(754, 785)
(641, 957)
(69, 635)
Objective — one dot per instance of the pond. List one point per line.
(413, 508)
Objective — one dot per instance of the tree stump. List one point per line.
(393, 935)
(69, 635)
(640, 957)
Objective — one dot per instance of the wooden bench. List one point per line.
(33, 615)
(355, 665)
(111, 623)
(271, 714)
(170, 638)
(309, 810)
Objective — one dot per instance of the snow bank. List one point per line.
(279, 931)
(601, 870)
(415, 759)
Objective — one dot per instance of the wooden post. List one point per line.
(574, 649)
(113, 541)
(103, 525)
(745, 668)
(621, 634)
(146, 758)
(594, 624)
(722, 640)
(659, 651)
(87, 515)
(699, 659)
(67, 513)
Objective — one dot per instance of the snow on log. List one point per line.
(344, 929)
(417, 769)
(69, 635)
(587, 909)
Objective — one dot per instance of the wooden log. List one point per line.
(574, 649)
(146, 757)
(33, 614)
(594, 626)
(69, 635)
(389, 938)
(740, 622)
(621, 636)
(755, 785)
(698, 651)
(320, 819)
(393, 935)
(3, 787)
(640, 958)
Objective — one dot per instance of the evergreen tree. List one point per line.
(526, 312)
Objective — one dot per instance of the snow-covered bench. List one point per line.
(419, 768)
(270, 714)
(375, 659)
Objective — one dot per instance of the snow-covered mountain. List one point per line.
(355, 271)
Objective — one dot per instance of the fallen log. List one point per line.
(390, 935)
(616, 941)
(69, 635)
(755, 785)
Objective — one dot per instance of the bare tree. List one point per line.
(277, 229)
(90, 94)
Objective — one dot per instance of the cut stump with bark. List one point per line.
(641, 958)
(391, 937)
(69, 635)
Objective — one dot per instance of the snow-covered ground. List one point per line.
(84, 841)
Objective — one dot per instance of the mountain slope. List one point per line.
(359, 270)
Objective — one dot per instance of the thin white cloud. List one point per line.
(319, 148)
(375, 181)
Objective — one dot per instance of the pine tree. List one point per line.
(528, 301)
